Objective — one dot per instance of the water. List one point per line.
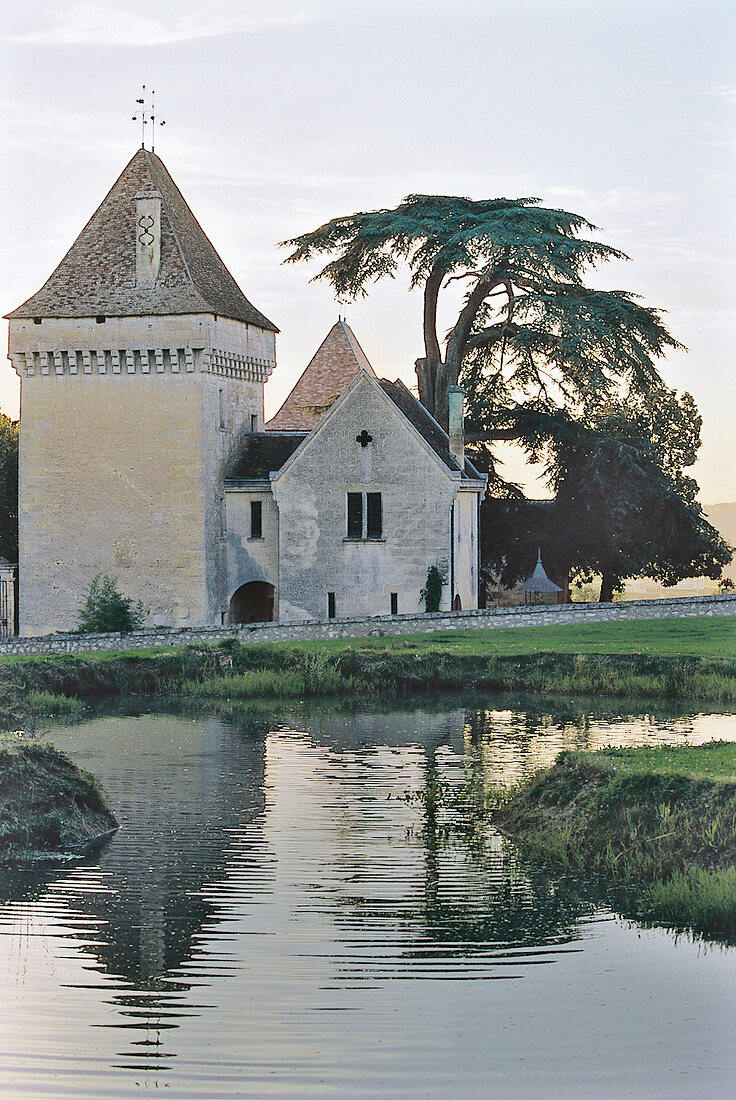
(273, 920)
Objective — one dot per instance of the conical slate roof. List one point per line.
(330, 371)
(539, 581)
(97, 275)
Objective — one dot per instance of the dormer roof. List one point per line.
(98, 274)
(330, 371)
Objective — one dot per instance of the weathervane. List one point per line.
(146, 115)
(342, 306)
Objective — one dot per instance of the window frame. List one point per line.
(364, 516)
(256, 519)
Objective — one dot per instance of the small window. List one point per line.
(330, 605)
(394, 603)
(355, 515)
(100, 319)
(373, 510)
(256, 519)
(253, 422)
(223, 523)
(222, 410)
(37, 320)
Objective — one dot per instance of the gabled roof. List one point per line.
(330, 371)
(97, 275)
(426, 425)
(260, 454)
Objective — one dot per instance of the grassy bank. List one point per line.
(48, 805)
(662, 820)
(679, 659)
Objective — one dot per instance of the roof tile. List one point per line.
(97, 275)
(330, 371)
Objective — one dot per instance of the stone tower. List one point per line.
(141, 363)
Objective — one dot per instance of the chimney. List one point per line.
(455, 395)
(147, 238)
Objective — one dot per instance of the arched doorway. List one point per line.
(252, 603)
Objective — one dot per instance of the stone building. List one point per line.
(144, 454)
(345, 518)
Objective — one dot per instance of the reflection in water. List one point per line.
(273, 919)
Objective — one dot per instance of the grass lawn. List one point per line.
(714, 637)
(715, 760)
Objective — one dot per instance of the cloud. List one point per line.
(723, 91)
(107, 22)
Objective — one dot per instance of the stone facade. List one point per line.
(121, 459)
(363, 446)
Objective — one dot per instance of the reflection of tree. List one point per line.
(497, 901)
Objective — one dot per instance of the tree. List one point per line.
(623, 505)
(8, 488)
(528, 328)
(105, 609)
(645, 526)
(566, 370)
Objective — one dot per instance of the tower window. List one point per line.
(330, 605)
(253, 422)
(222, 410)
(394, 603)
(100, 319)
(256, 519)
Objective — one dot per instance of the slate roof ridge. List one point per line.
(96, 275)
(337, 360)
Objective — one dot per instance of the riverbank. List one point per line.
(676, 659)
(48, 806)
(660, 820)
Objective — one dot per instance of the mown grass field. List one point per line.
(714, 761)
(714, 637)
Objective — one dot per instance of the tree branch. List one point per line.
(459, 335)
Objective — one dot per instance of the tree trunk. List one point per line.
(608, 582)
(434, 380)
(426, 377)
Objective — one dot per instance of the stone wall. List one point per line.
(548, 615)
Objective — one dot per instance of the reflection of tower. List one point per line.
(140, 361)
(179, 788)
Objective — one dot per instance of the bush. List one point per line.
(431, 594)
(105, 609)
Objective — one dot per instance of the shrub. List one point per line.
(105, 609)
(432, 591)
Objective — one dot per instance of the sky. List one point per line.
(281, 114)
